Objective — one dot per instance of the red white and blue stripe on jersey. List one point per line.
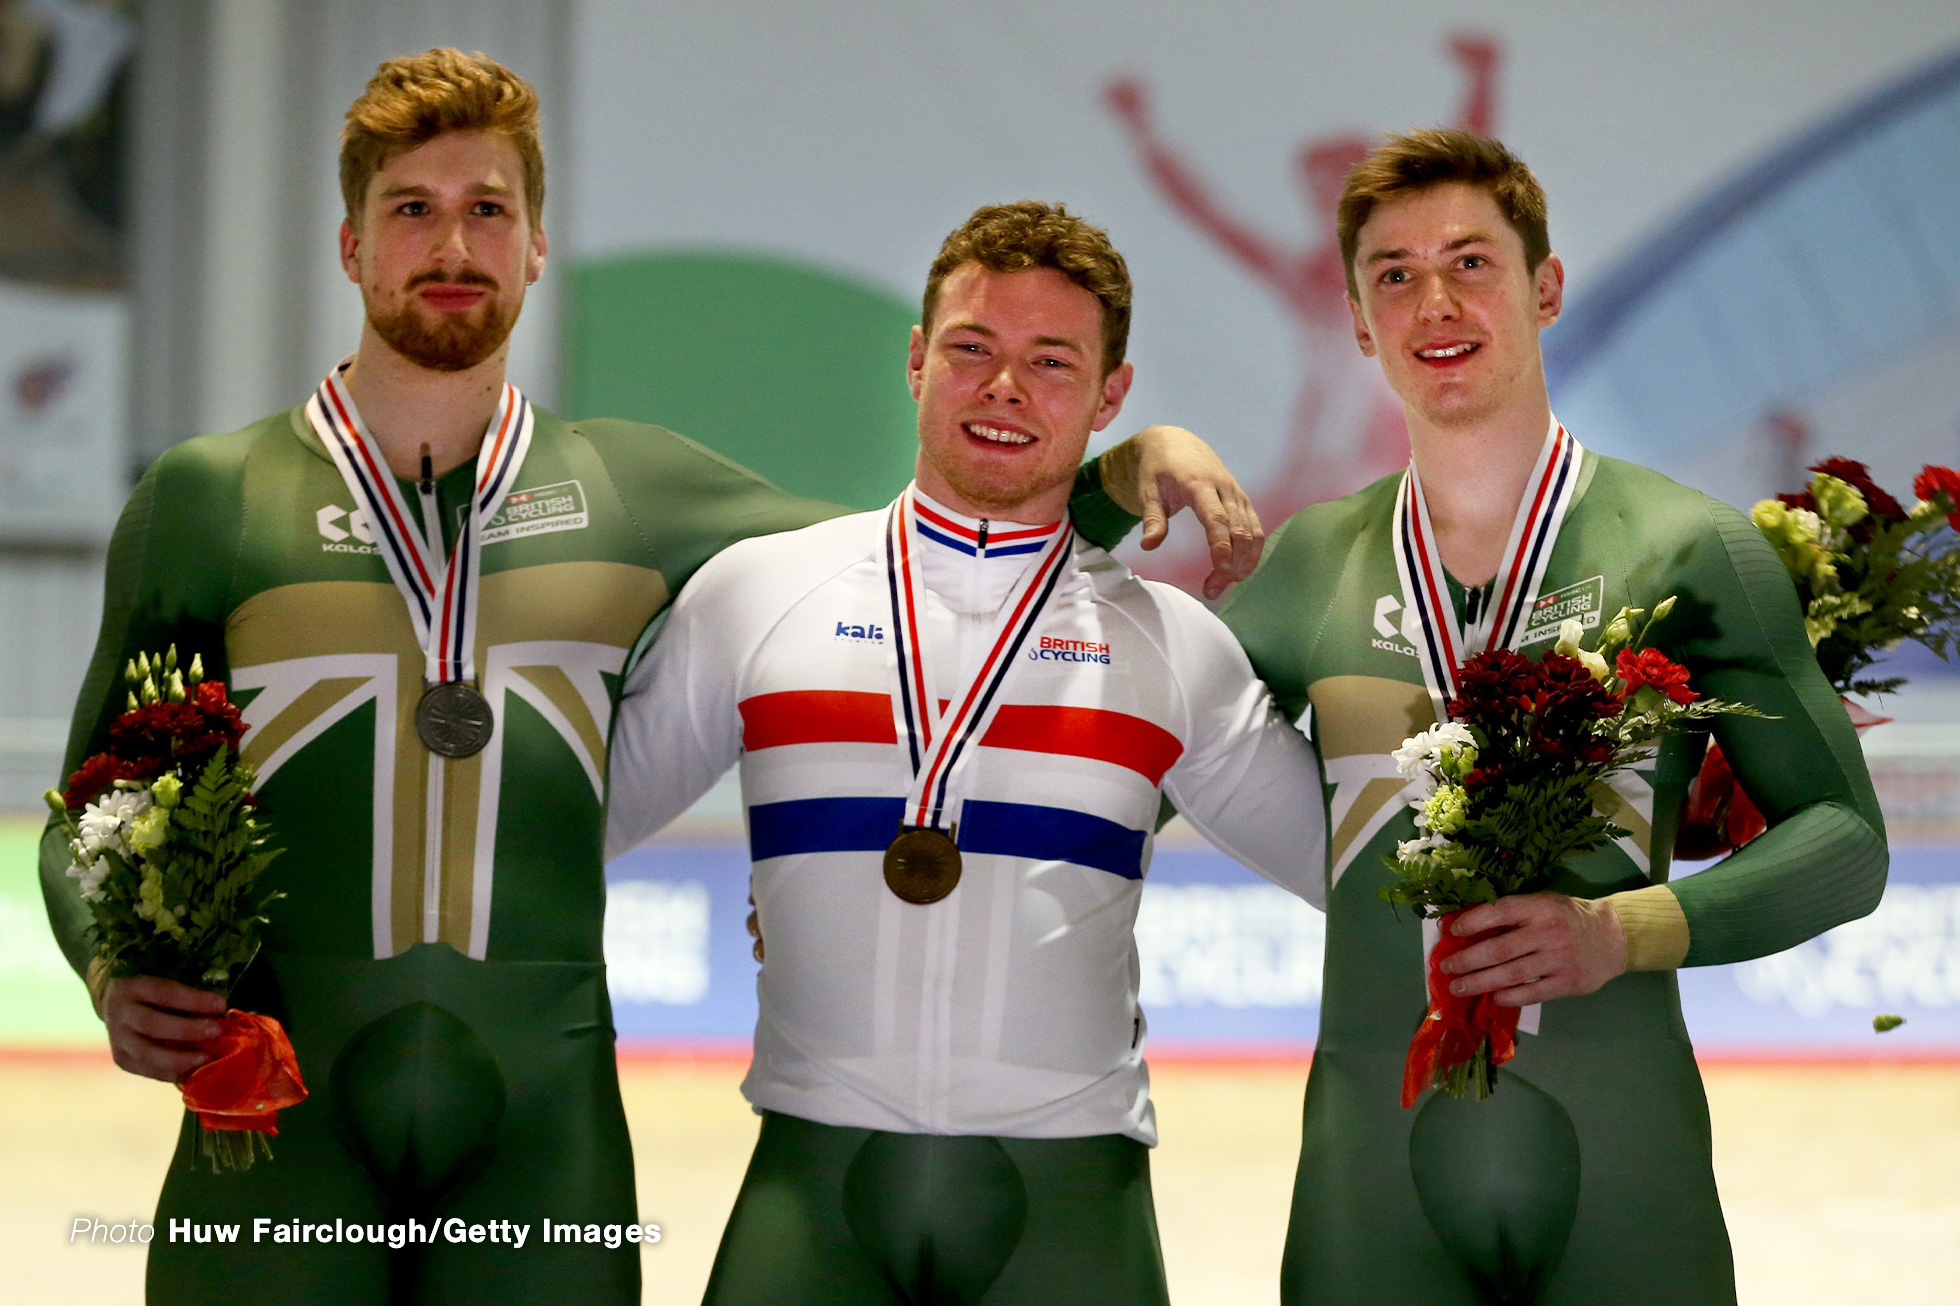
(982, 542)
(799, 718)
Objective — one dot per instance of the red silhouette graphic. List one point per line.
(1347, 428)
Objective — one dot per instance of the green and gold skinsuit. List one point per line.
(1586, 1178)
(436, 958)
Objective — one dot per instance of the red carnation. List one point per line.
(1933, 481)
(99, 773)
(1650, 666)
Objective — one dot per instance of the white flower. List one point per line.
(1410, 850)
(1418, 752)
(1570, 632)
(105, 823)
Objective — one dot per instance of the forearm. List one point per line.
(1100, 517)
(1821, 866)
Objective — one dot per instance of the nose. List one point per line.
(1004, 386)
(1437, 304)
(451, 243)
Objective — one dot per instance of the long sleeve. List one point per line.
(1823, 859)
(678, 727)
(168, 564)
(1248, 781)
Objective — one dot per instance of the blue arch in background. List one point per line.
(1839, 248)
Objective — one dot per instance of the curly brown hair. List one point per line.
(416, 98)
(1030, 234)
(1417, 160)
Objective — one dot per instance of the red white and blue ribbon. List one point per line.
(441, 593)
(940, 734)
(1442, 646)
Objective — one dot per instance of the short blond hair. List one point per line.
(1030, 234)
(416, 98)
(1433, 156)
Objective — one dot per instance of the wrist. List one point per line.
(1655, 928)
(97, 978)
(1118, 466)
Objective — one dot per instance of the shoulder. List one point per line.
(641, 449)
(778, 569)
(221, 459)
(1334, 524)
(1188, 635)
(1660, 515)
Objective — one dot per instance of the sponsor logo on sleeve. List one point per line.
(1581, 602)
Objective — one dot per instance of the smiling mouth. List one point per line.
(1448, 353)
(996, 434)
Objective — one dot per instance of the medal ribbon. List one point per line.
(938, 738)
(441, 594)
(1441, 645)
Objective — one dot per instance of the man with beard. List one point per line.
(424, 591)
(1586, 1177)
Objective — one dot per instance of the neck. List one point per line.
(1038, 509)
(407, 406)
(1473, 478)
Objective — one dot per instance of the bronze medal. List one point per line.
(453, 719)
(922, 865)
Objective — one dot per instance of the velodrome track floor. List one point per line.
(1839, 1180)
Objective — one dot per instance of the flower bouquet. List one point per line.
(1508, 794)
(1870, 574)
(163, 841)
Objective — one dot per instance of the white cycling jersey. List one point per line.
(1010, 1006)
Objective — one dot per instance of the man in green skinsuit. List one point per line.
(436, 959)
(1586, 1177)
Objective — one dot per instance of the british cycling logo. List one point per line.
(1053, 649)
(356, 536)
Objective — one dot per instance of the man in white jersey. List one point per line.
(955, 723)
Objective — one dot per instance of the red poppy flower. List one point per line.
(1650, 666)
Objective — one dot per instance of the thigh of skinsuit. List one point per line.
(830, 1216)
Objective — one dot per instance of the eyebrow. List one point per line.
(1048, 342)
(480, 188)
(1474, 238)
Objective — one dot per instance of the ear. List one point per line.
(534, 261)
(350, 251)
(1362, 335)
(1115, 388)
(915, 363)
(1550, 287)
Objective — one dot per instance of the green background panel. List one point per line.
(44, 1003)
(794, 372)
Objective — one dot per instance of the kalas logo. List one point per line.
(867, 633)
(328, 519)
(1052, 649)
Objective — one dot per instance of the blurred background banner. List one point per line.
(1758, 205)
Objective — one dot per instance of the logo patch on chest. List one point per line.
(1581, 602)
(342, 531)
(1388, 631)
(1054, 649)
(539, 511)
(867, 632)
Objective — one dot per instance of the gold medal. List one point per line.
(922, 865)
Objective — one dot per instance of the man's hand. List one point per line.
(1552, 947)
(755, 928)
(156, 1024)
(1162, 469)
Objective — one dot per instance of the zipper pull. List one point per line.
(428, 482)
(983, 536)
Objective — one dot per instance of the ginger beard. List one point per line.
(454, 341)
